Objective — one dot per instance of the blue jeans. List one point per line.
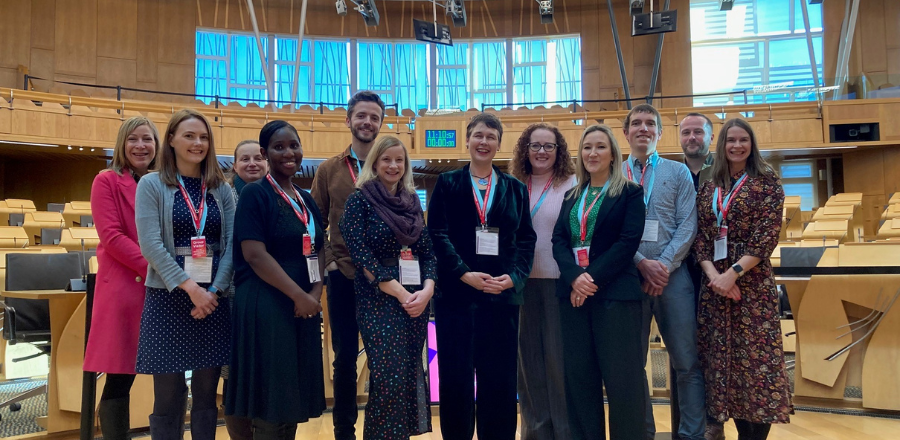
(676, 315)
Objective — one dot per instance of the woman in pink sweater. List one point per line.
(541, 160)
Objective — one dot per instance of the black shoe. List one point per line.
(115, 418)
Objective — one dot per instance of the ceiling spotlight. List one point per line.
(457, 11)
(70, 147)
(368, 11)
(637, 6)
(80, 148)
(341, 7)
(726, 5)
(545, 8)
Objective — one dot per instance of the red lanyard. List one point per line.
(298, 211)
(631, 176)
(731, 196)
(196, 214)
(584, 215)
(482, 211)
(349, 167)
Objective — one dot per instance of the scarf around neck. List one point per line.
(402, 211)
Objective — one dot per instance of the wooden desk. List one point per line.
(62, 306)
(37, 220)
(74, 210)
(76, 239)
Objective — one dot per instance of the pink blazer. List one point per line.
(119, 293)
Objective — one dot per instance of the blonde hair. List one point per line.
(381, 145)
(617, 181)
(120, 159)
(209, 167)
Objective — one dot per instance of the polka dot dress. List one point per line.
(398, 404)
(171, 340)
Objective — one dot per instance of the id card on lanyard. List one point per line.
(721, 204)
(410, 273)
(651, 227)
(303, 214)
(582, 251)
(487, 240)
(199, 266)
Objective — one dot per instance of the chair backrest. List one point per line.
(36, 271)
(56, 207)
(16, 218)
(87, 221)
(51, 236)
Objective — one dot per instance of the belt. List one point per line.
(185, 251)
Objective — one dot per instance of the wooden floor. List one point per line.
(804, 425)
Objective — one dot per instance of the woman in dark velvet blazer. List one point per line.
(596, 235)
(477, 315)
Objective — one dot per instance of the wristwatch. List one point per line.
(738, 269)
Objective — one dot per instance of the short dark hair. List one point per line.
(269, 130)
(643, 108)
(700, 115)
(489, 120)
(364, 96)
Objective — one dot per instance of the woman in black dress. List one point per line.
(384, 227)
(183, 215)
(276, 376)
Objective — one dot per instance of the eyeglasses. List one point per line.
(534, 146)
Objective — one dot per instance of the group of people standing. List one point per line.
(544, 281)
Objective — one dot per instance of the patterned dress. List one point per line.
(171, 340)
(740, 341)
(398, 404)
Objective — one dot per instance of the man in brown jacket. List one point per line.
(334, 181)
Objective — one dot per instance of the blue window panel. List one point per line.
(284, 83)
(452, 83)
(529, 51)
(793, 52)
(422, 198)
(815, 17)
(490, 100)
(412, 75)
(806, 191)
(211, 44)
(796, 170)
(210, 79)
(530, 84)
(332, 72)
(449, 55)
(246, 67)
(374, 61)
(490, 65)
(286, 50)
(773, 17)
(709, 23)
(566, 63)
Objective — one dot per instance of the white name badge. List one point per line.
(720, 251)
(312, 266)
(487, 241)
(199, 269)
(651, 230)
(410, 273)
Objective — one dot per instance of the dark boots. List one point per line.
(239, 428)
(203, 424)
(169, 427)
(752, 431)
(115, 418)
(263, 430)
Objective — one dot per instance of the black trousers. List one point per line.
(602, 348)
(477, 339)
(345, 343)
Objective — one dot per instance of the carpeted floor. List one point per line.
(22, 421)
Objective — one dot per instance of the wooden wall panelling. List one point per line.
(70, 180)
(9, 78)
(5, 117)
(177, 28)
(870, 23)
(76, 38)
(116, 29)
(891, 165)
(48, 121)
(42, 65)
(117, 71)
(147, 47)
(43, 24)
(176, 78)
(15, 30)
(676, 65)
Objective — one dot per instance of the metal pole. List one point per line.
(659, 46)
(295, 92)
(844, 52)
(615, 32)
(88, 379)
(25, 85)
(262, 55)
(812, 53)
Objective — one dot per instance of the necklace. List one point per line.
(481, 180)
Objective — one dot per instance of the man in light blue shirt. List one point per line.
(668, 234)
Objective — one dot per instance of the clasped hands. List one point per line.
(724, 284)
(655, 275)
(487, 283)
(582, 287)
(205, 302)
(413, 303)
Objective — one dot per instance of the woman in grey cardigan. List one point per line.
(184, 220)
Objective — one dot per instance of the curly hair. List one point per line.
(520, 166)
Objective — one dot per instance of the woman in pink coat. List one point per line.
(119, 292)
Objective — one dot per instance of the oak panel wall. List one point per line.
(876, 42)
(150, 43)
